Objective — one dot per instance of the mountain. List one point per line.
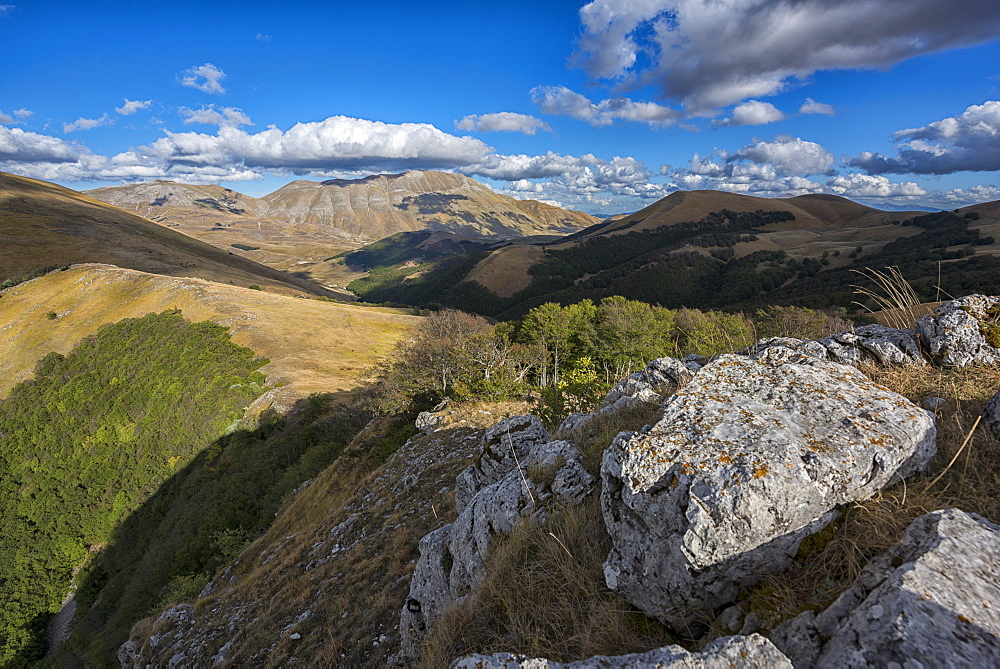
(301, 224)
(705, 249)
(42, 225)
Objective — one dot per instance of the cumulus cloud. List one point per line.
(968, 142)
(563, 101)
(789, 155)
(29, 147)
(753, 112)
(867, 186)
(208, 115)
(708, 54)
(337, 143)
(86, 123)
(132, 106)
(502, 122)
(5, 118)
(810, 106)
(205, 78)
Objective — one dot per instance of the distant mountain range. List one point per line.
(703, 249)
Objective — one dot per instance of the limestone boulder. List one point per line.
(931, 601)
(877, 344)
(503, 445)
(452, 557)
(750, 652)
(752, 456)
(959, 332)
(867, 344)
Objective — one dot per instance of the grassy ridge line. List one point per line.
(313, 346)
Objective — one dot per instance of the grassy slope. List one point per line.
(43, 224)
(312, 345)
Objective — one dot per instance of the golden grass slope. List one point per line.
(312, 345)
(44, 224)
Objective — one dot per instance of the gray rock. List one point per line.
(735, 651)
(798, 639)
(660, 377)
(954, 336)
(933, 403)
(427, 422)
(503, 445)
(750, 458)
(875, 343)
(763, 347)
(991, 415)
(451, 558)
(931, 601)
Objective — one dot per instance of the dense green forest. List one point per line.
(647, 265)
(90, 437)
(202, 517)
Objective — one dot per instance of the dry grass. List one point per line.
(892, 294)
(828, 562)
(505, 271)
(312, 346)
(543, 594)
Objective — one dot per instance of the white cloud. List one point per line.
(563, 101)
(208, 115)
(86, 123)
(29, 147)
(205, 78)
(520, 166)
(753, 112)
(867, 186)
(502, 122)
(789, 155)
(6, 9)
(260, 37)
(968, 142)
(5, 118)
(707, 54)
(337, 143)
(132, 106)
(810, 106)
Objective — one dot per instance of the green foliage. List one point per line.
(245, 247)
(51, 315)
(254, 286)
(88, 439)
(200, 519)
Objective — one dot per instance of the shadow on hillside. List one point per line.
(201, 518)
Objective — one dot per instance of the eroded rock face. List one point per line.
(503, 446)
(931, 601)
(955, 335)
(750, 458)
(451, 558)
(735, 651)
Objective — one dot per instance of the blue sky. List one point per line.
(603, 107)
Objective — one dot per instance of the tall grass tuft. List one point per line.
(893, 295)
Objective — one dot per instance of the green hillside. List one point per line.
(90, 438)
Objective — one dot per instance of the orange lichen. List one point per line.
(760, 471)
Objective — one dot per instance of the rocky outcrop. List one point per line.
(963, 332)
(749, 652)
(750, 458)
(503, 446)
(868, 344)
(931, 601)
(519, 474)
